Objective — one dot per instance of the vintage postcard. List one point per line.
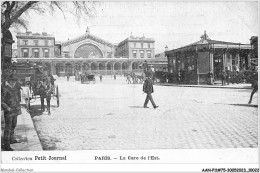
(129, 86)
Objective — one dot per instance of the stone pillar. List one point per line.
(112, 68)
(73, 68)
(64, 67)
(249, 60)
(98, 68)
(53, 68)
(105, 69)
(224, 60)
(121, 68)
(238, 61)
(211, 63)
(130, 66)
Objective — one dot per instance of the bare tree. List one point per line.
(13, 14)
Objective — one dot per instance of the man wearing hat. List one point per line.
(148, 89)
(10, 103)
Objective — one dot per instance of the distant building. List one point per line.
(193, 63)
(36, 47)
(136, 48)
(85, 53)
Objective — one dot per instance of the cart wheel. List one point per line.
(58, 96)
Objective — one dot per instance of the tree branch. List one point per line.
(58, 6)
(23, 9)
(12, 5)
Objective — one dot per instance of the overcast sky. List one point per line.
(170, 23)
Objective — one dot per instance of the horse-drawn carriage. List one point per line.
(29, 77)
(86, 78)
(160, 76)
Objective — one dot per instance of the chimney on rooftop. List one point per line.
(28, 32)
(131, 36)
(88, 30)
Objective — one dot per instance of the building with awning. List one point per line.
(194, 63)
(254, 44)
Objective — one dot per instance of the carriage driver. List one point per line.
(45, 91)
(51, 79)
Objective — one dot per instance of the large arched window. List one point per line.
(88, 51)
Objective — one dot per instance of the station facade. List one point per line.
(86, 53)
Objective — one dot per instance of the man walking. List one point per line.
(100, 77)
(254, 81)
(10, 103)
(148, 89)
(68, 76)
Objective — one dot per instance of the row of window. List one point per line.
(35, 43)
(135, 45)
(142, 45)
(149, 54)
(35, 52)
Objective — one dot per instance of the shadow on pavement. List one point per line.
(35, 110)
(136, 107)
(248, 105)
(23, 141)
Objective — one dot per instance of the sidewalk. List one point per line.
(25, 132)
(230, 86)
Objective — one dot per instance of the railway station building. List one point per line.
(86, 53)
(192, 64)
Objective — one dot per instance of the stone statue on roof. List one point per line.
(204, 36)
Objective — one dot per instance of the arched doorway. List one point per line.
(68, 69)
(47, 68)
(59, 69)
(135, 66)
(85, 67)
(117, 68)
(77, 71)
(102, 68)
(94, 67)
(109, 68)
(124, 67)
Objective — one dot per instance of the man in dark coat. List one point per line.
(254, 81)
(148, 89)
(100, 77)
(10, 103)
(68, 76)
(227, 75)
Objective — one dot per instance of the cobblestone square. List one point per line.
(110, 116)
